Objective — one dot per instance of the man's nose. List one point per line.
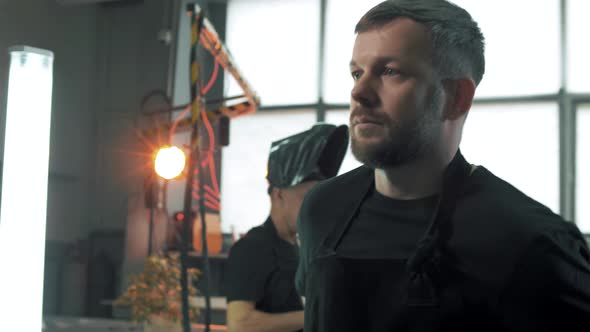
(364, 91)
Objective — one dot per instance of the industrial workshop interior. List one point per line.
(135, 150)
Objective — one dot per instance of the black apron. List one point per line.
(418, 293)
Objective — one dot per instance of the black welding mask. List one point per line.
(315, 154)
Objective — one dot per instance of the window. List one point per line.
(275, 45)
(522, 45)
(244, 199)
(518, 143)
(578, 46)
(341, 18)
(511, 69)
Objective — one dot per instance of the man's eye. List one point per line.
(391, 72)
(355, 75)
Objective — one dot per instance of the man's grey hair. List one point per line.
(457, 41)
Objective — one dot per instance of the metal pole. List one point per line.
(151, 231)
(198, 18)
(205, 251)
(321, 107)
(173, 49)
(567, 128)
(193, 162)
(172, 22)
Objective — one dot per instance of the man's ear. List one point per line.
(460, 94)
(276, 193)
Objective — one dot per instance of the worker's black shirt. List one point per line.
(261, 269)
(386, 227)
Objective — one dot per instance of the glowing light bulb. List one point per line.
(170, 162)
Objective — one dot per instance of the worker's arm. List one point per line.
(243, 317)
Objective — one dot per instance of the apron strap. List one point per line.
(424, 266)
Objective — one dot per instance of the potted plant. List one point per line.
(154, 295)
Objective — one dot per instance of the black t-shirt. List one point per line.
(386, 227)
(261, 269)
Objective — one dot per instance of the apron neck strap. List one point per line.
(439, 229)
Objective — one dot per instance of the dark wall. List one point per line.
(71, 34)
(107, 56)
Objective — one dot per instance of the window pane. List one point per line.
(583, 169)
(275, 45)
(182, 69)
(578, 46)
(522, 45)
(518, 143)
(340, 117)
(341, 17)
(244, 199)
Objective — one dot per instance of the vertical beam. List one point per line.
(567, 128)
(174, 19)
(321, 108)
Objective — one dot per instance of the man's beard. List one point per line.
(405, 142)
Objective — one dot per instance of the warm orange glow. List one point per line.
(179, 216)
(170, 162)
